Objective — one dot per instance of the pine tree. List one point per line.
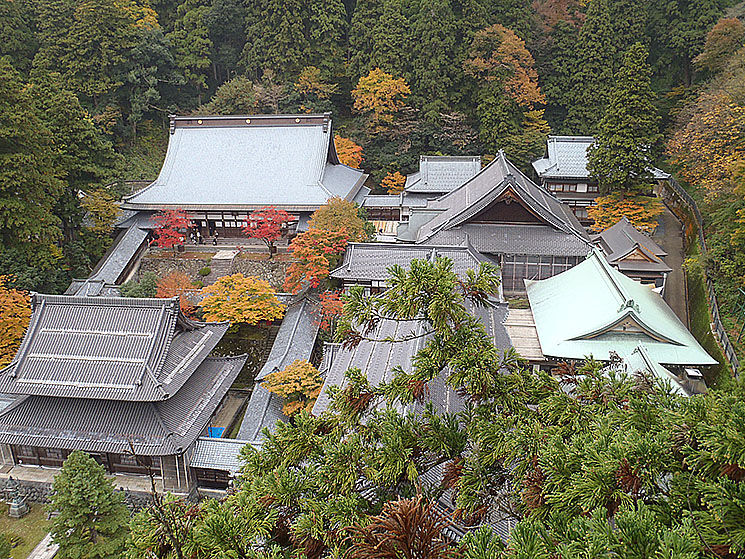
(191, 43)
(593, 73)
(29, 182)
(366, 16)
(628, 134)
(16, 36)
(391, 47)
(93, 520)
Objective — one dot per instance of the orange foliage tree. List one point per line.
(240, 299)
(349, 153)
(381, 94)
(641, 211)
(266, 224)
(314, 253)
(15, 313)
(710, 145)
(393, 183)
(330, 309)
(341, 215)
(299, 385)
(723, 40)
(178, 284)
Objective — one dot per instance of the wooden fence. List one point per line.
(676, 195)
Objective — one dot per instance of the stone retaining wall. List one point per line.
(40, 492)
(273, 271)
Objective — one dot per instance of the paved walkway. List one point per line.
(45, 550)
(669, 236)
(46, 475)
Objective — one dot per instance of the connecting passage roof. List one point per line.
(593, 310)
(440, 174)
(246, 162)
(108, 348)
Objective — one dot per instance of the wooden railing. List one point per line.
(675, 195)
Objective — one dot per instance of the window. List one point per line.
(593, 188)
(54, 453)
(570, 187)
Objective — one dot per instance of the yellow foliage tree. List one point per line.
(15, 313)
(340, 215)
(299, 385)
(240, 299)
(381, 94)
(349, 153)
(641, 211)
(102, 211)
(178, 284)
(394, 183)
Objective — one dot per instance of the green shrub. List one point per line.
(206, 271)
(146, 287)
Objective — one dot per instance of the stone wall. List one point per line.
(40, 492)
(273, 271)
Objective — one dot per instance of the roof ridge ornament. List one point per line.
(630, 304)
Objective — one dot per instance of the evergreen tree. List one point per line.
(16, 35)
(90, 46)
(225, 23)
(629, 132)
(391, 45)
(191, 43)
(366, 16)
(81, 157)
(592, 75)
(434, 33)
(628, 18)
(93, 520)
(29, 182)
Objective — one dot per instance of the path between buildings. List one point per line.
(669, 235)
(45, 549)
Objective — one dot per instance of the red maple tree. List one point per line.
(330, 309)
(266, 224)
(314, 253)
(170, 228)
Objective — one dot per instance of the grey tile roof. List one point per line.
(244, 162)
(533, 240)
(378, 359)
(622, 239)
(482, 190)
(263, 411)
(370, 261)
(567, 159)
(217, 454)
(295, 338)
(154, 429)
(108, 348)
(382, 201)
(441, 174)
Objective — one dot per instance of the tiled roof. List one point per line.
(295, 338)
(622, 239)
(379, 359)
(382, 201)
(217, 454)
(108, 348)
(370, 261)
(441, 174)
(244, 162)
(567, 159)
(153, 428)
(479, 193)
(263, 411)
(593, 309)
(533, 240)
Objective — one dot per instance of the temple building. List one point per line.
(563, 172)
(634, 254)
(593, 310)
(367, 264)
(501, 213)
(129, 381)
(220, 168)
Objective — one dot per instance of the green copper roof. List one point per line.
(592, 309)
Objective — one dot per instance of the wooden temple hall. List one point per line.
(221, 168)
(130, 381)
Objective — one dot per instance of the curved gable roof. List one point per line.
(108, 348)
(243, 162)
